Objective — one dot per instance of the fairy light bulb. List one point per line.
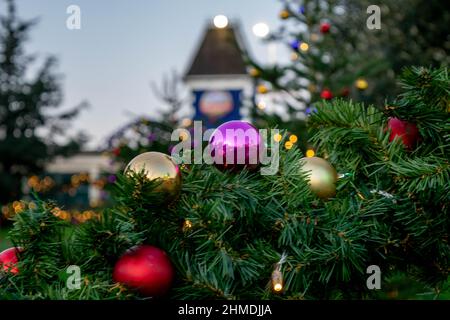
(277, 280)
(310, 153)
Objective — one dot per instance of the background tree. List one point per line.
(334, 54)
(30, 133)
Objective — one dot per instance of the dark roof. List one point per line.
(219, 54)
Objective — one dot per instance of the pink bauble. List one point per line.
(236, 145)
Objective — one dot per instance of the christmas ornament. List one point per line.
(236, 144)
(116, 152)
(321, 175)
(326, 94)
(345, 92)
(284, 14)
(254, 72)
(8, 260)
(295, 44)
(407, 131)
(302, 9)
(146, 269)
(325, 27)
(361, 84)
(262, 89)
(158, 167)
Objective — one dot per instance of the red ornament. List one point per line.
(116, 152)
(325, 27)
(326, 94)
(345, 92)
(8, 260)
(407, 131)
(146, 269)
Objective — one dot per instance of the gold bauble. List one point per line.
(361, 84)
(321, 175)
(284, 14)
(160, 167)
(262, 89)
(254, 72)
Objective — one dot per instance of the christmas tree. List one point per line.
(336, 52)
(376, 195)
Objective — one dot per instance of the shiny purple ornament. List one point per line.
(236, 145)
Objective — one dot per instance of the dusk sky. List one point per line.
(123, 46)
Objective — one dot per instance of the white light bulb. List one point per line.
(261, 29)
(220, 21)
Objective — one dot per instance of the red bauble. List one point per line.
(146, 269)
(8, 260)
(345, 92)
(407, 131)
(116, 152)
(325, 27)
(326, 94)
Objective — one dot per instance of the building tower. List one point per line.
(217, 76)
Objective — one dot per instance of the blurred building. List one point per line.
(217, 76)
(79, 181)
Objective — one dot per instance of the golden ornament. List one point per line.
(262, 89)
(321, 175)
(284, 14)
(160, 167)
(254, 72)
(361, 84)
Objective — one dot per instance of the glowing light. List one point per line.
(186, 122)
(310, 153)
(220, 21)
(288, 145)
(261, 30)
(278, 287)
(294, 56)
(293, 138)
(261, 105)
(304, 46)
(277, 137)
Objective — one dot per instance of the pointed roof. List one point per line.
(219, 53)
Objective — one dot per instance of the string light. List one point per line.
(310, 153)
(293, 138)
(277, 137)
(288, 145)
(186, 122)
(261, 105)
(277, 275)
(304, 46)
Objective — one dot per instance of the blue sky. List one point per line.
(124, 45)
